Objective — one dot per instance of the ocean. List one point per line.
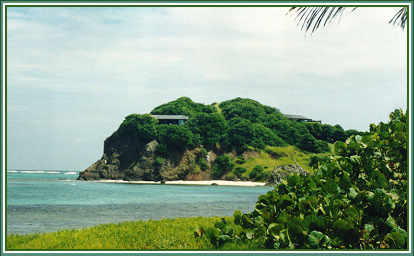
(47, 201)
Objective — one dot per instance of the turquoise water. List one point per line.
(53, 200)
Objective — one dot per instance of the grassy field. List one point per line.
(271, 157)
(138, 235)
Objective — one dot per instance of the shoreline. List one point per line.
(189, 182)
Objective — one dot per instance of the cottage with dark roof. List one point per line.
(171, 119)
(300, 118)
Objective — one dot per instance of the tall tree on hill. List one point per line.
(311, 18)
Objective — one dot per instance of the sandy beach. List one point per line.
(189, 182)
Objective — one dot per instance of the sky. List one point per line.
(73, 74)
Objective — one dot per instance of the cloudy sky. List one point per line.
(75, 73)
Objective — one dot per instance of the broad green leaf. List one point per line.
(390, 222)
(358, 138)
(274, 229)
(356, 159)
(396, 239)
(249, 234)
(368, 228)
(352, 193)
(224, 238)
(314, 238)
(237, 217)
(339, 147)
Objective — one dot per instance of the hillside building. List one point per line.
(171, 119)
(300, 118)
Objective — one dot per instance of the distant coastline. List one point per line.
(189, 182)
(42, 171)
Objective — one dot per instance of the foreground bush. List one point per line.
(356, 199)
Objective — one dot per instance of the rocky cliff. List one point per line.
(128, 158)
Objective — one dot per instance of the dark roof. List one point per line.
(170, 117)
(296, 117)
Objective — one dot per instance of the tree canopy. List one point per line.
(209, 127)
(144, 127)
(235, 124)
(182, 106)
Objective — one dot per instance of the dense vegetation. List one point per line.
(138, 235)
(141, 127)
(222, 165)
(356, 199)
(330, 133)
(240, 124)
(175, 138)
(242, 133)
(209, 128)
(183, 106)
(237, 125)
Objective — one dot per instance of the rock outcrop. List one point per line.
(282, 171)
(126, 158)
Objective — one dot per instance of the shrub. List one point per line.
(230, 176)
(296, 133)
(201, 159)
(315, 161)
(240, 160)
(182, 106)
(203, 153)
(263, 136)
(158, 162)
(162, 150)
(222, 165)
(310, 144)
(175, 137)
(242, 133)
(209, 127)
(275, 153)
(203, 164)
(251, 112)
(357, 199)
(257, 174)
(143, 127)
(238, 171)
(330, 133)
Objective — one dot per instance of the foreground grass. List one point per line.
(138, 235)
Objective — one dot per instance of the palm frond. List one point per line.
(310, 18)
(400, 18)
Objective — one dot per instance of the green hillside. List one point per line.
(212, 143)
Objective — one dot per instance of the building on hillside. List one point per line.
(171, 119)
(300, 118)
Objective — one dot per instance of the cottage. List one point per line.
(171, 119)
(300, 118)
